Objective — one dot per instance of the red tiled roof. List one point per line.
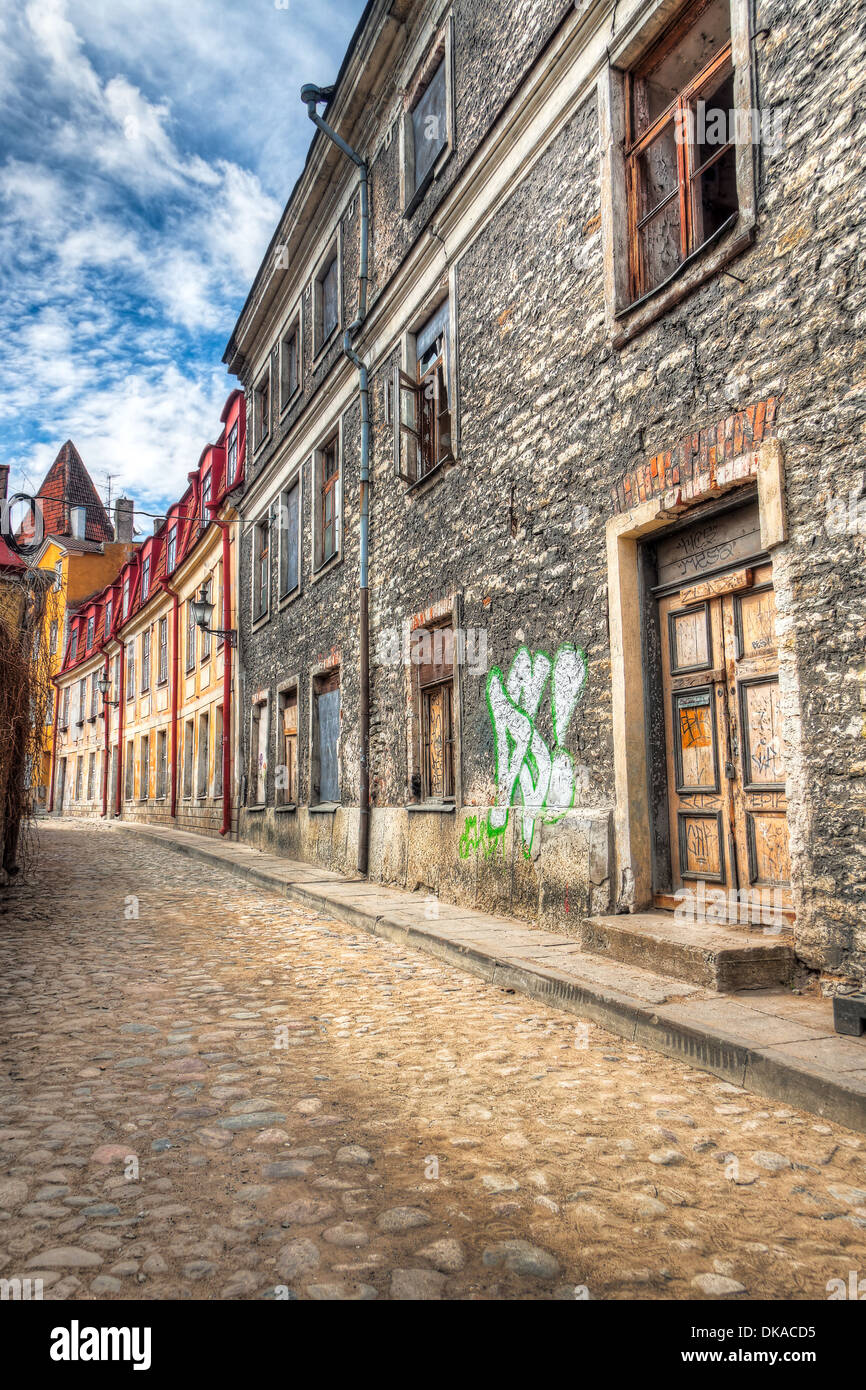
(68, 484)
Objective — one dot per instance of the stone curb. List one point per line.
(790, 1081)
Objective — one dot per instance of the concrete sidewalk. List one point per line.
(770, 1041)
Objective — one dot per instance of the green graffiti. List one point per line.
(477, 838)
(526, 768)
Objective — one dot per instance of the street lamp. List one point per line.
(202, 614)
(103, 685)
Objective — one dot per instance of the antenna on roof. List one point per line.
(109, 477)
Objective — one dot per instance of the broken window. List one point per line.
(419, 407)
(328, 296)
(681, 149)
(326, 738)
(287, 782)
(433, 658)
(290, 532)
(429, 125)
(261, 567)
(289, 363)
(263, 409)
(327, 531)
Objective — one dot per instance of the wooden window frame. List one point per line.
(328, 488)
(190, 637)
(232, 455)
(145, 660)
(206, 637)
(162, 670)
(262, 418)
(441, 49)
(294, 485)
(290, 794)
(333, 254)
(291, 333)
(261, 557)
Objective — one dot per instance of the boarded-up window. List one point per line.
(429, 125)
(287, 776)
(290, 530)
(432, 652)
(203, 751)
(681, 149)
(326, 727)
(329, 299)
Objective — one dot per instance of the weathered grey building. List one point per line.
(612, 337)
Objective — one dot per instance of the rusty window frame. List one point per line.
(679, 113)
(329, 479)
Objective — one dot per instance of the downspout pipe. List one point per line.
(225, 828)
(175, 677)
(107, 756)
(121, 706)
(312, 96)
(54, 741)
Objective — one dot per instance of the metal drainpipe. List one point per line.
(226, 751)
(121, 698)
(54, 741)
(311, 96)
(106, 718)
(175, 677)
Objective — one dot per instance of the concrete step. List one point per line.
(703, 953)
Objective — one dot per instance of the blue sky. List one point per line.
(147, 148)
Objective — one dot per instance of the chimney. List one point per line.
(4, 479)
(157, 522)
(78, 522)
(123, 517)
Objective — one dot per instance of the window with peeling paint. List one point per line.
(287, 785)
(680, 145)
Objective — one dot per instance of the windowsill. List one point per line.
(286, 599)
(432, 475)
(260, 620)
(323, 347)
(161, 683)
(429, 179)
(327, 565)
(324, 808)
(259, 806)
(702, 265)
(290, 400)
(287, 806)
(440, 808)
(261, 443)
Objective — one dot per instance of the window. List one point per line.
(58, 576)
(91, 777)
(259, 752)
(145, 577)
(680, 145)
(82, 699)
(73, 644)
(327, 292)
(94, 696)
(107, 617)
(52, 640)
(325, 770)
(144, 786)
(79, 777)
(218, 752)
(64, 711)
(232, 454)
(145, 660)
(90, 626)
(125, 606)
(129, 780)
(262, 412)
(328, 501)
(290, 532)
(190, 637)
(420, 408)
(188, 742)
(206, 636)
(117, 691)
(130, 670)
(429, 127)
(433, 657)
(205, 498)
(287, 774)
(171, 550)
(428, 122)
(161, 763)
(261, 567)
(203, 750)
(290, 363)
(163, 651)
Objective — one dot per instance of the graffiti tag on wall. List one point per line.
(542, 777)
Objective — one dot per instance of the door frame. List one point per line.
(625, 534)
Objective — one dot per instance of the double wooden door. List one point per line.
(725, 745)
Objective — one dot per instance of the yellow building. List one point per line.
(159, 746)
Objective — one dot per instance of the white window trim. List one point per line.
(624, 319)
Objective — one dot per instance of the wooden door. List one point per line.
(725, 747)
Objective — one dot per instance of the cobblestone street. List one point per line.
(228, 1097)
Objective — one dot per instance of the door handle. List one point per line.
(730, 771)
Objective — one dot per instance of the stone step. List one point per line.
(703, 953)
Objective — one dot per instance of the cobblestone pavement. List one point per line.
(229, 1097)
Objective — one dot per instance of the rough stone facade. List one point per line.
(561, 425)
